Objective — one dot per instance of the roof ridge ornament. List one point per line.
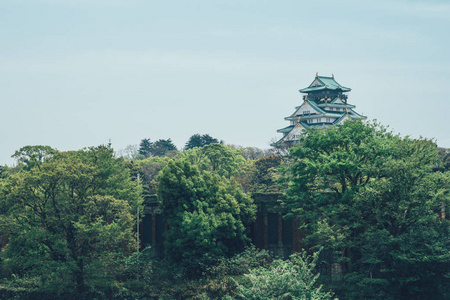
(317, 74)
(332, 75)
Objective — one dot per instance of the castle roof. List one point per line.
(324, 83)
(320, 109)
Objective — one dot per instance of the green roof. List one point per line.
(340, 119)
(314, 106)
(320, 111)
(280, 141)
(358, 116)
(286, 129)
(324, 83)
(345, 105)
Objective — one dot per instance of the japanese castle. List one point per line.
(324, 104)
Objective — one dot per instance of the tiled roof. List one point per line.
(357, 116)
(286, 129)
(318, 109)
(325, 83)
(334, 114)
(340, 119)
(332, 104)
(315, 106)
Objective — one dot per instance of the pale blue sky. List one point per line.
(77, 73)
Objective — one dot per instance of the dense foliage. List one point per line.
(198, 140)
(160, 147)
(284, 279)
(372, 200)
(33, 156)
(207, 214)
(68, 219)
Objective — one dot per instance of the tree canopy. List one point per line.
(32, 156)
(69, 218)
(373, 201)
(198, 140)
(145, 147)
(208, 215)
(160, 147)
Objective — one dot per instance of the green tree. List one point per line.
(69, 219)
(266, 173)
(3, 171)
(216, 158)
(444, 163)
(285, 279)
(163, 147)
(208, 215)
(222, 160)
(145, 147)
(198, 140)
(372, 200)
(253, 153)
(32, 156)
(149, 169)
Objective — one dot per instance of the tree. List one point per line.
(372, 200)
(149, 169)
(198, 140)
(444, 155)
(207, 215)
(163, 147)
(254, 153)
(131, 153)
(285, 279)
(3, 171)
(145, 147)
(160, 147)
(69, 219)
(222, 160)
(266, 173)
(216, 158)
(32, 156)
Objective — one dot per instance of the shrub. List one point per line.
(241, 263)
(291, 279)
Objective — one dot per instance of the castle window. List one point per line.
(306, 112)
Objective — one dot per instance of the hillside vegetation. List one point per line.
(373, 208)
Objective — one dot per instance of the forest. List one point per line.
(372, 206)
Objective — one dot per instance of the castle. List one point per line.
(324, 104)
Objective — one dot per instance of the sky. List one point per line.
(79, 73)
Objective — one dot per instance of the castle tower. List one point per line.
(324, 104)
